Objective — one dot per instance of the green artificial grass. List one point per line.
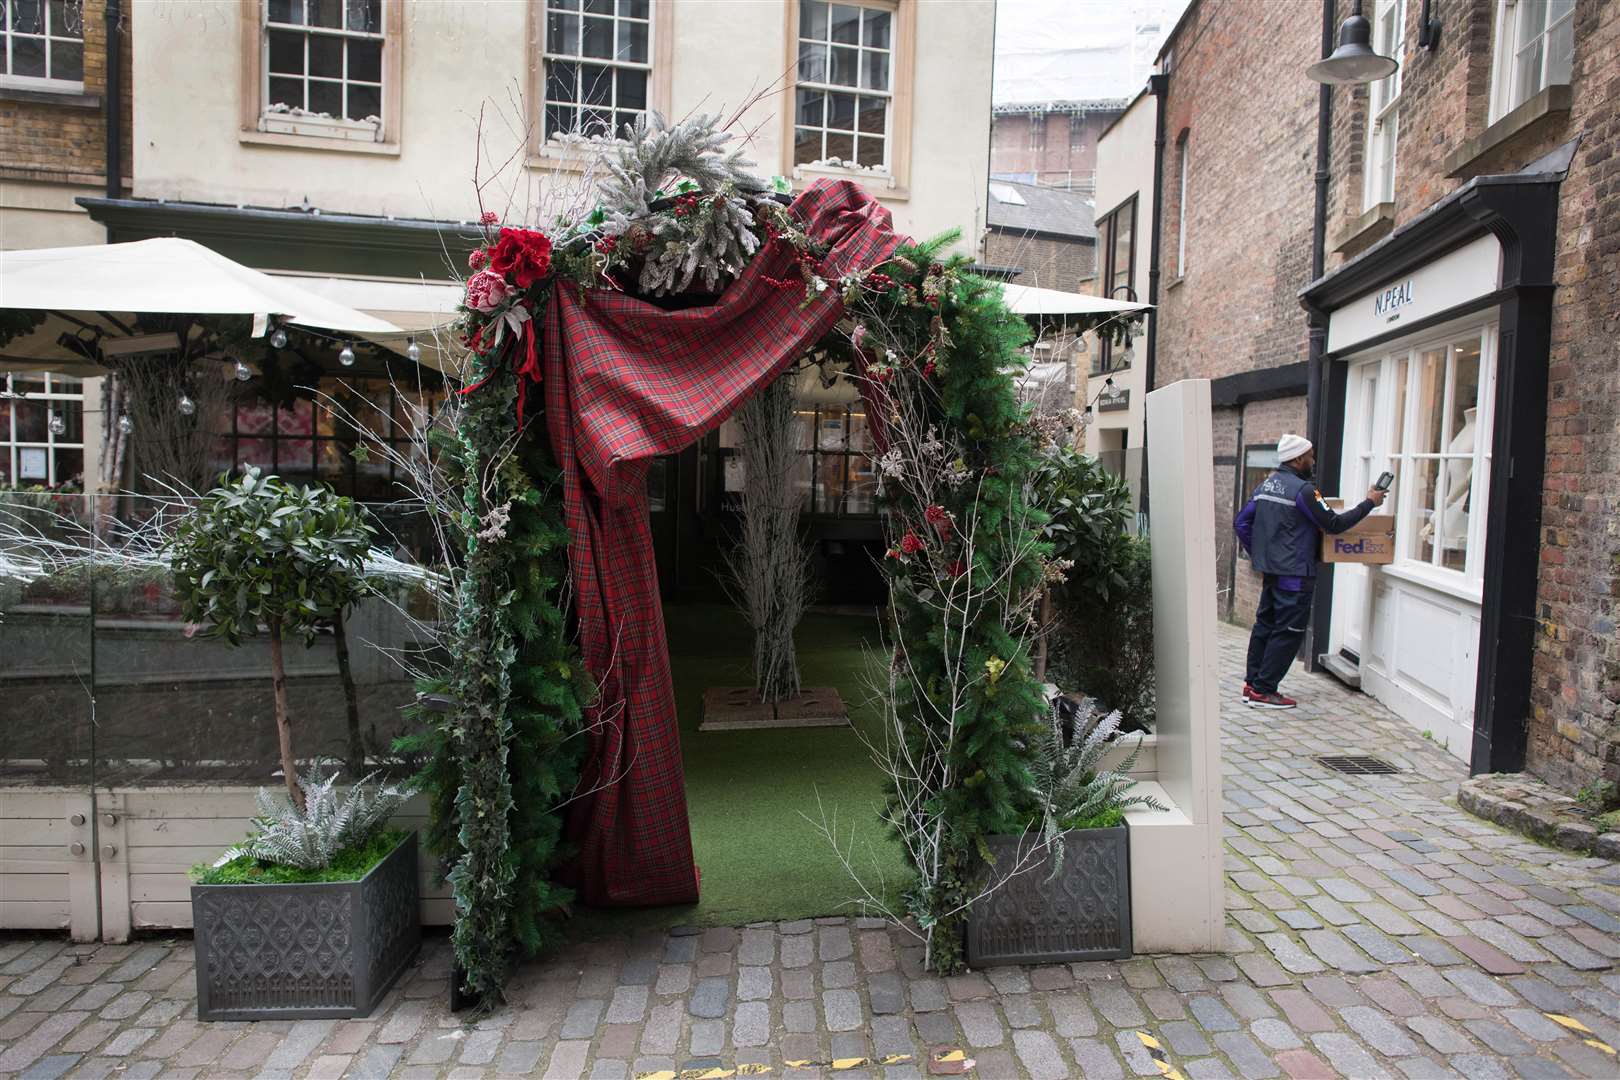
(351, 864)
(756, 798)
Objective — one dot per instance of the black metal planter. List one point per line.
(1082, 914)
(296, 952)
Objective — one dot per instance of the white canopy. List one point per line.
(93, 288)
(1029, 300)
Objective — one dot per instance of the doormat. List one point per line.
(738, 708)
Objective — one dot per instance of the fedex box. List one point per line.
(1369, 541)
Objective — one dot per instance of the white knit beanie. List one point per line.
(1290, 447)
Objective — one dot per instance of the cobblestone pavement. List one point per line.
(1375, 930)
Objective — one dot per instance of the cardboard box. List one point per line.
(1370, 541)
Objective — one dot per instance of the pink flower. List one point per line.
(489, 217)
(476, 259)
(485, 291)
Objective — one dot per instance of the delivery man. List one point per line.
(1281, 528)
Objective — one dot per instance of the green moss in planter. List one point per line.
(350, 864)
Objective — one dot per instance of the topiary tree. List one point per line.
(258, 550)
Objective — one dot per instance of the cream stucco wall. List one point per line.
(1125, 168)
(459, 57)
(34, 215)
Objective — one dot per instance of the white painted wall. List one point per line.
(461, 56)
(45, 215)
(1125, 168)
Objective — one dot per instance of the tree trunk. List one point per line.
(1044, 633)
(278, 684)
(357, 750)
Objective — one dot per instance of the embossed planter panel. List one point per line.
(292, 952)
(1082, 914)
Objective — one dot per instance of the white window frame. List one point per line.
(579, 60)
(1365, 461)
(1383, 106)
(887, 93)
(53, 397)
(1507, 91)
(47, 82)
(338, 128)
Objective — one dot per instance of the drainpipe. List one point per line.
(1315, 417)
(115, 101)
(1159, 87)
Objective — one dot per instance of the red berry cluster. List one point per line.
(877, 281)
(685, 204)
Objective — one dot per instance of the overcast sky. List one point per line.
(1076, 49)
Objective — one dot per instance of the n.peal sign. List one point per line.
(1453, 279)
(1387, 304)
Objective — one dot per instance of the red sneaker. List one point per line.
(1248, 691)
(1258, 700)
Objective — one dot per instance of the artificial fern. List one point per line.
(1069, 785)
(311, 838)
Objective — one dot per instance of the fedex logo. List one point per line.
(1357, 547)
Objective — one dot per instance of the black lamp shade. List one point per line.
(1354, 60)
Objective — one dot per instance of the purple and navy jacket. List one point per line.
(1282, 524)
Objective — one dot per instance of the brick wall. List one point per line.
(1047, 262)
(1237, 92)
(1052, 145)
(64, 141)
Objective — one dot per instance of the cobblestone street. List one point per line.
(1374, 930)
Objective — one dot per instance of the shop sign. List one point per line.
(1455, 278)
(1114, 399)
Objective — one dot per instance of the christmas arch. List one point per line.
(599, 344)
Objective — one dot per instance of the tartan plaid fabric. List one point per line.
(626, 381)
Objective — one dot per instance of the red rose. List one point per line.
(911, 543)
(523, 255)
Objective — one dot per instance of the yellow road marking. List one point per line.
(1603, 1046)
(1569, 1022)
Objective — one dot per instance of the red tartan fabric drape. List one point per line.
(626, 381)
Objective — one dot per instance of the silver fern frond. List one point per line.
(329, 823)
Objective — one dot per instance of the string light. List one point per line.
(186, 406)
(346, 356)
(242, 372)
(125, 424)
(413, 351)
(57, 424)
(278, 338)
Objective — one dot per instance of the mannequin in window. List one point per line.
(1459, 488)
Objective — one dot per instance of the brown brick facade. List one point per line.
(1239, 97)
(61, 139)
(1056, 147)
(1048, 262)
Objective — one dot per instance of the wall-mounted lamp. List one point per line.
(1354, 60)
(1428, 29)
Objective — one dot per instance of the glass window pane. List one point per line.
(813, 20)
(28, 16)
(1452, 520)
(875, 70)
(597, 83)
(840, 148)
(1398, 415)
(365, 61)
(812, 109)
(285, 11)
(1421, 480)
(633, 9)
(562, 34)
(869, 151)
(812, 62)
(365, 16)
(594, 122)
(560, 120)
(67, 60)
(364, 101)
(28, 56)
(1464, 397)
(69, 467)
(633, 42)
(598, 7)
(875, 31)
(845, 66)
(325, 13)
(806, 146)
(1527, 73)
(841, 111)
(1430, 392)
(66, 19)
(874, 115)
(597, 38)
(288, 92)
(31, 421)
(326, 98)
(1560, 52)
(632, 90)
(560, 81)
(846, 24)
(326, 56)
(286, 52)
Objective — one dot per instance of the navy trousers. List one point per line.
(1279, 626)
